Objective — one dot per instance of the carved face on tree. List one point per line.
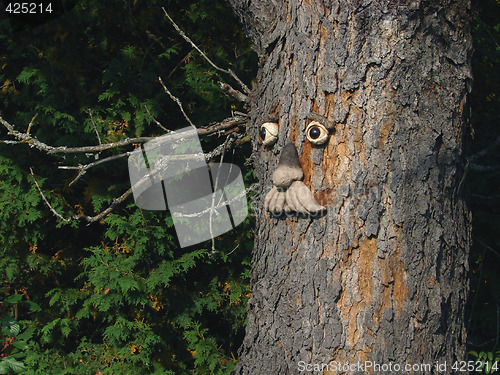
(289, 194)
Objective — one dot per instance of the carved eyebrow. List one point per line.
(322, 120)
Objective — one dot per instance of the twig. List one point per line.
(232, 251)
(26, 137)
(228, 123)
(216, 185)
(175, 99)
(95, 127)
(45, 199)
(187, 39)
(155, 120)
(83, 168)
(105, 146)
(238, 95)
(151, 175)
(210, 209)
(8, 142)
(31, 123)
(116, 202)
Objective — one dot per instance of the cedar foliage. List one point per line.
(118, 296)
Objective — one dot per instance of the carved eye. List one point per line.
(268, 133)
(316, 133)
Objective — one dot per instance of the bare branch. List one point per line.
(31, 123)
(112, 206)
(187, 39)
(214, 128)
(226, 124)
(486, 246)
(233, 92)
(45, 199)
(155, 120)
(26, 137)
(95, 127)
(34, 142)
(225, 145)
(175, 99)
(152, 174)
(105, 146)
(82, 169)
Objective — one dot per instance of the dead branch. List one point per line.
(105, 146)
(31, 122)
(151, 175)
(112, 206)
(238, 119)
(26, 137)
(238, 95)
(95, 127)
(187, 39)
(229, 123)
(45, 199)
(155, 120)
(176, 100)
(82, 169)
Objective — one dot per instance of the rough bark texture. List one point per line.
(383, 275)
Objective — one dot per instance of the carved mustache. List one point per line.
(289, 193)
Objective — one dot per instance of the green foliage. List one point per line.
(15, 342)
(118, 296)
(490, 362)
(484, 302)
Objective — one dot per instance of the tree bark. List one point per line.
(382, 276)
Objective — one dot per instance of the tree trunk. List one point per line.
(382, 276)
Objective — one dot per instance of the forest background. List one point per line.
(118, 295)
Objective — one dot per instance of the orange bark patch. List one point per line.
(384, 133)
(394, 286)
(293, 128)
(357, 291)
(337, 161)
(330, 104)
(306, 162)
(399, 291)
(321, 196)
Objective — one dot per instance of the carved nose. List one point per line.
(289, 169)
